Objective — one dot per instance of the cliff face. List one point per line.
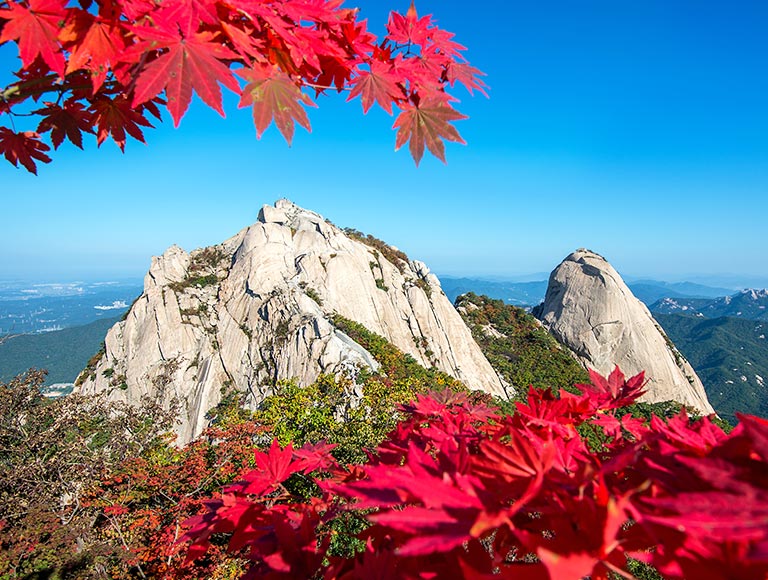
(258, 308)
(589, 308)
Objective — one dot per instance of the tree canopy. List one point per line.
(108, 67)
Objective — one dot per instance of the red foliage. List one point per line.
(459, 492)
(109, 62)
(144, 503)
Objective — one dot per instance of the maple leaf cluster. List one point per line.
(460, 491)
(107, 67)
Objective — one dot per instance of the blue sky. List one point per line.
(637, 129)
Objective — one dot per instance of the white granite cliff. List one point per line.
(258, 307)
(590, 309)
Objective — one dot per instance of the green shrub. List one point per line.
(392, 255)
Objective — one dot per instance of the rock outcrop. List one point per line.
(258, 308)
(589, 309)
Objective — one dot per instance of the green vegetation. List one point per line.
(355, 417)
(517, 346)
(393, 255)
(194, 281)
(89, 372)
(202, 269)
(424, 285)
(51, 452)
(161, 485)
(64, 353)
(730, 358)
(395, 365)
(312, 293)
(246, 331)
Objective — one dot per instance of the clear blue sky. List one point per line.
(638, 129)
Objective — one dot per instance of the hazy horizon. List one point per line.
(620, 127)
(723, 280)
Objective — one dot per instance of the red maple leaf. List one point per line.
(243, 40)
(36, 28)
(95, 45)
(757, 432)
(116, 117)
(189, 63)
(187, 14)
(277, 462)
(315, 456)
(379, 85)
(274, 96)
(467, 75)
(427, 124)
(409, 28)
(615, 391)
(431, 530)
(23, 148)
(273, 468)
(68, 121)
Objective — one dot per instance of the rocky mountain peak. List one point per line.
(259, 307)
(590, 309)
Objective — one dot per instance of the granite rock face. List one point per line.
(258, 308)
(590, 309)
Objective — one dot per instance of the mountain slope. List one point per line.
(590, 309)
(259, 308)
(63, 353)
(731, 357)
(518, 346)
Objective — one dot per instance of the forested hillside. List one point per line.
(730, 356)
(64, 353)
(517, 346)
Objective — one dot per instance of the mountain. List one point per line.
(751, 304)
(590, 309)
(731, 357)
(687, 306)
(64, 353)
(260, 307)
(649, 291)
(517, 293)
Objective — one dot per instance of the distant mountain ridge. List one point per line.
(751, 304)
(688, 289)
(531, 293)
(516, 293)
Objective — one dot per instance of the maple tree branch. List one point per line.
(17, 88)
(175, 539)
(14, 114)
(119, 531)
(13, 128)
(26, 89)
